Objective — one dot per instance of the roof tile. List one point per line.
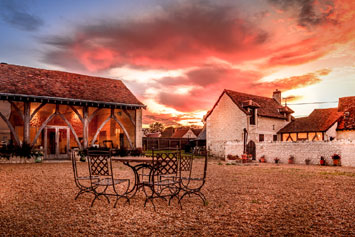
(320, 120)
(40, 82)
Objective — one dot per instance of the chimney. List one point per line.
(277, 96)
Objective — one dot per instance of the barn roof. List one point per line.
(19, 82)
(320, 120)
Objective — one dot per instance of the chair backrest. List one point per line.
(100, 163)
(166, 162)
(185, 165)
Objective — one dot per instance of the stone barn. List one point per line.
(58, 111)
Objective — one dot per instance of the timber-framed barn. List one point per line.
(59, 111)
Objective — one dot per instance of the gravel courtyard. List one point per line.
(253, 200)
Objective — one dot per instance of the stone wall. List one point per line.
(346, 134)
(300, 150)
(226, 123)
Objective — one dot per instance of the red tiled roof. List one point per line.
(269, 107)
(168, 132)
(22, 80)
(156, 134)
(346, 103)
(347, 121)
(196, 131)
(180, 132)
(320, 120)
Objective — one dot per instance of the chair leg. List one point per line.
(79, 193)
(92, 203)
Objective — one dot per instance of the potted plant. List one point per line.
(244, 158)
(336, 159)
(322, 161)
(38, 156)
(276, 160)
(307, 161)
(262, 159)
(291, 159)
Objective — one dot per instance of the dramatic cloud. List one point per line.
(13, 12)
(184, 54)
(203, 95)
(309, 12)
(178, 36)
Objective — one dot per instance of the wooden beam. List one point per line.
(123, 128)
(77, 113)
(42, 127)
(72, 130)
(26, 122)
(36, 110)
(12, 130)
(85, 127)
(130, 117)
(94, 114)
(17, 109)
(99, 129)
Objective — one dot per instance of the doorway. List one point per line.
(251, 149)
(56, 142)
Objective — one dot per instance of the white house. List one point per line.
(236, 114)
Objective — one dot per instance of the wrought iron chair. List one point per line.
(82, 182)
(100, 165)
(190, 183)
(163, 178)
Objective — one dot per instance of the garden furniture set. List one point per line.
(165, 175)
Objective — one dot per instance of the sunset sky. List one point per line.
(178, 56)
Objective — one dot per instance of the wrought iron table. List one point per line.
(136, 164)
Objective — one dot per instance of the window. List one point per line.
(274, 138)
(252, 117)
(261, 137)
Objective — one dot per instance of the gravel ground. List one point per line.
(253, 200)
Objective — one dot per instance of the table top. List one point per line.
(132, 159)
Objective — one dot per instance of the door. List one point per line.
(251, 149)
(56, 142)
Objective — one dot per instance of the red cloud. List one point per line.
(182, 36)
(204, 95)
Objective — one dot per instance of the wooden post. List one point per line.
(85, 127)
(26, 123)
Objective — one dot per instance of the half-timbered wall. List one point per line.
(116, 125)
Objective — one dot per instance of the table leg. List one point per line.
(137, 182)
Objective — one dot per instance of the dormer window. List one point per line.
(252, 116)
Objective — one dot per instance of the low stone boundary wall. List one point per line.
(300, 150)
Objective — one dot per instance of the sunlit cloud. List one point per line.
(179, 57)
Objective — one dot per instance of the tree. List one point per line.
(156, 127)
